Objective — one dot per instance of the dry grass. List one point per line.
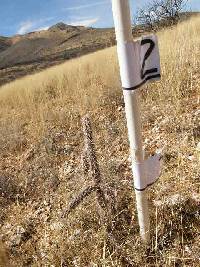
(41, 144)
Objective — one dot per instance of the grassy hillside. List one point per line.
(32, 52)
(61, 41)
(25, 54)
(41, 144)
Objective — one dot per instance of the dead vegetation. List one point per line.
(41, 164)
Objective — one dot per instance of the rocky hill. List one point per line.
(23, 54)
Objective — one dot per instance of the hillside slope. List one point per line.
(4, 43)
(51, 44)
(43, 164)
(22, 54)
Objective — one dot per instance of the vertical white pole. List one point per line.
(122, 20)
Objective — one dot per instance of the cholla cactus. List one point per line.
(90, 166)
(84, 162)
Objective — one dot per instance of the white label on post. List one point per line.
(141, 60)
(150, 58)
(150, 170)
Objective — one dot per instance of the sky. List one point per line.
(22, 16)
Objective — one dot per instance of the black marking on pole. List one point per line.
(143, 82)
(140, 190)
(147, 55)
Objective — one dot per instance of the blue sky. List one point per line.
(21, 16)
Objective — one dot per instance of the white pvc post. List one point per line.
(122, 20)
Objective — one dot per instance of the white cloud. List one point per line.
(42, 28)
(85, 6)
(86, 22)
(25, 27)
(34, 25)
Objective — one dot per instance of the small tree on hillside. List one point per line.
(161, 11)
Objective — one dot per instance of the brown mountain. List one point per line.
(5, 42)
(23, 54)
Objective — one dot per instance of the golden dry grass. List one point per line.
(41, 144)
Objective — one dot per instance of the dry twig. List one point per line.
(91, 166)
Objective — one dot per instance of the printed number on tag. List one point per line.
(142, 64)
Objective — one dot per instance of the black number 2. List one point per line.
(148, 53)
